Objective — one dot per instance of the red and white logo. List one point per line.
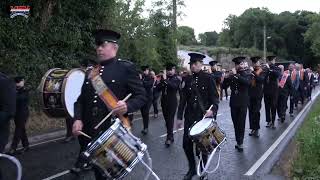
(19, 11)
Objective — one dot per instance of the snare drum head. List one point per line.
(200, 126)
(72, 89)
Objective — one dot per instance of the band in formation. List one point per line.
(110, 90)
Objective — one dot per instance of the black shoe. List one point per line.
(282, 120)
(189, 175)
(204, 177)
(256, 133)
(168, 142)
(239, 147)
(75, 170)
(268, 124)
(291, 114)
(25, 149)
(144, 131)
(252, 132)
(12, 152)
(272, 126)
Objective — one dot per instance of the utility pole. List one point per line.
(264, 42)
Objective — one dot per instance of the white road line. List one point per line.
(45, 142)
(57, 175)
(175, 131)
(164, 135)
(256, 165)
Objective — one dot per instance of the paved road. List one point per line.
(52, 158)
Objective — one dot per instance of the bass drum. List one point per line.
(59, 90)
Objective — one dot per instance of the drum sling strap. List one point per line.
(105, 94)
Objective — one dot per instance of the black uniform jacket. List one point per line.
(7, 99)
(169, 88)
(271, 80)
(239, 86)
(256, 89)
(22, 109)
(189, 100)
(122, 78)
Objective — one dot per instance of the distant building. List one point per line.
(185, 59)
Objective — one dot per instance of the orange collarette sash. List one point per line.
(105, 94)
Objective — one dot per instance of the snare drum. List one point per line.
(59, 90)
(207, 135)
(115, 152)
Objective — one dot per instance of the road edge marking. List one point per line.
(261, 160)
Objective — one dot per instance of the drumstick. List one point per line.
(84, 134)
(206, 112)
(110, 113)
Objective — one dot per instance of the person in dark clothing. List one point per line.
(217, 75)
(285, 88)
(304, 81)
(21, 117)
(311, 83)
(169, 86)
(7, 109)
(225, 84)
(295, 85)
(271, 90)
(198, 94)
(239, 99)
(156, 93)
(121, 77)
(255, 96)
(147, 82)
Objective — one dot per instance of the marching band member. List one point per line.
(239, 100)
(169, 86)
(120, 76)
(285, 88)
(147, 82)
(198, 94)
(271, 90)
(255, 96)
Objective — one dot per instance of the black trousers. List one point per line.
(4, 135)
(155, 99)
(238, 115)
(282, 106)
(270, 107)
(145, 113)
(20, 131)
(254, 112)
(225, 92)
(189, 150)
(69, 123)
(169, 107)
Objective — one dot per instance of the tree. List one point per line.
(209, 38)
(186, 35)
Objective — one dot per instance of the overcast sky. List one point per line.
(208, 15)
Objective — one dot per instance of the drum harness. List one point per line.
(205, 168)
(16, 162)
(101, 88)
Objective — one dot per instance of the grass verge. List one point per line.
(306, 164)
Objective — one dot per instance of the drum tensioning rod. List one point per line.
(110, 113)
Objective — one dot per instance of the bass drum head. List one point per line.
(200, 126)
(72, 89)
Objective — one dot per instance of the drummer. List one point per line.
(198, 94)
(120, 76)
